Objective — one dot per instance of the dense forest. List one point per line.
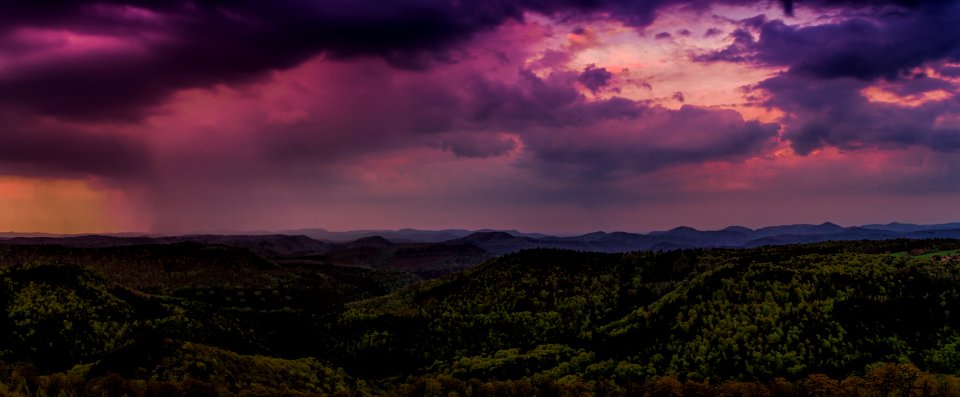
(858, 318)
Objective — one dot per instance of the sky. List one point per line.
(562, 116)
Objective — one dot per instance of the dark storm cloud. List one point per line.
(179, 44)
(882, 45)
(191, 44)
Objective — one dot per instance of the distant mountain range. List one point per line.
(312, 241)
(680, 237)
(401, 235)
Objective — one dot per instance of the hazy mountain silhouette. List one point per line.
(429, 253)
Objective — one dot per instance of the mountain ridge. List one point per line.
(433, 253)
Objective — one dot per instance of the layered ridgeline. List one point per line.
(434, 253)
(213, 320)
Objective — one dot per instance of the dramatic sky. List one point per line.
(559, 116)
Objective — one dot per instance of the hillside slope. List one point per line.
(702, 314)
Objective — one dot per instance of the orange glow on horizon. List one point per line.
(55, 206)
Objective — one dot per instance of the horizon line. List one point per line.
(296, 231)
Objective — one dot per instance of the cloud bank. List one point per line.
(244, 115)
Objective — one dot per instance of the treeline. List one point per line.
(881, 380)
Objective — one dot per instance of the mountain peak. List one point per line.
(485, 236)
(370, 242)
(679, 230)
(596, 233)
(828, 226)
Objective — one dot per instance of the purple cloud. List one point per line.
(835, 112)
(741, 50)
(474, 145)
(558, 127)
(879, 45)
(829, 66)
(569, 136)
(595, 78)
(657, 139)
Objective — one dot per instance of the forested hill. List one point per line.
(805, 320)
(703, 314)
